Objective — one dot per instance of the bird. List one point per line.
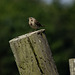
(34, 23)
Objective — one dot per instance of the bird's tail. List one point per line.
(42, 25)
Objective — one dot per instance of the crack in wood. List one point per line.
(35, 56)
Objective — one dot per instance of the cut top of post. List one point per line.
(28, 34)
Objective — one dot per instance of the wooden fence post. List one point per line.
(32, 54)
(72, 66)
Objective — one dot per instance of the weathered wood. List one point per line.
(72, 66)
(33, 55)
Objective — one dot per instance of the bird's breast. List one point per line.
(33, 25)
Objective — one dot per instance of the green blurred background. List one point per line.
(59, 20)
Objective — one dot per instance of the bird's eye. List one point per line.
(31, 20)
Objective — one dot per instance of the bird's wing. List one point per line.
(37, 23)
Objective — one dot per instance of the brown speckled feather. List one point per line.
(38, 24)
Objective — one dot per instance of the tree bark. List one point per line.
(33, 55)
(72, 66)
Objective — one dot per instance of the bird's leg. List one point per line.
(36, 29)
(32, 30)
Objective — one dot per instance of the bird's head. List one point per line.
(31, 19)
